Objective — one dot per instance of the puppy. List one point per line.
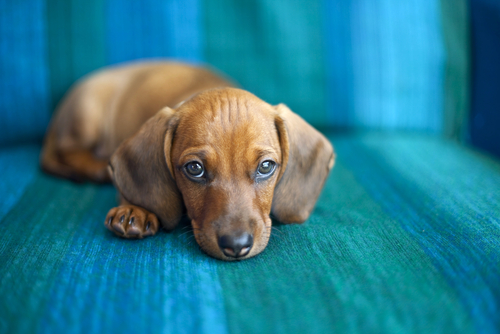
(216, 153)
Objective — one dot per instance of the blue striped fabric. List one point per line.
(185, 30)
(403, 239)
(75, 42)
(176, 291)
(159, 288)
(24, 76)
(273, 48)
(485, 105)
(339, 64)
(362, 64)
(386, 64)
(425, 199)
(153, 29)
(135, 29)
(16, 177)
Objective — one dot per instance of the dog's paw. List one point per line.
(131, 222)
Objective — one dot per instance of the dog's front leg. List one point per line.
(131, 221)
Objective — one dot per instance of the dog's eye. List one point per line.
(194, 169)
(266, 167)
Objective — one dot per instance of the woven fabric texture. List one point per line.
(385, 64)
(404, 239)
(405, 236)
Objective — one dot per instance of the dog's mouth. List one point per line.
(234, 245)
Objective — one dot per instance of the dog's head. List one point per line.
(229, 160)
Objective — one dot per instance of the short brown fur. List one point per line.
(228, 130)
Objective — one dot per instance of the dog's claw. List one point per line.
(134, 231)
(141, 223)
(118, 229)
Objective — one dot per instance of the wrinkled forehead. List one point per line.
(226, 117)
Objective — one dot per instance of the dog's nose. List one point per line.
(236, 245)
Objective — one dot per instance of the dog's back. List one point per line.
(109, 106)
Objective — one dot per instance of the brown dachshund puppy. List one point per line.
(223, 156)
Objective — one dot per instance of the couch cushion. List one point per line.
(404, 238)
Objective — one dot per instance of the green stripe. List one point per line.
(448, 200)
(350, 268)
(76, 38)
(88, 29)
(16, 176)
(273, 48)
(457, 72)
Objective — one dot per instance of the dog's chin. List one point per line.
(208, 244)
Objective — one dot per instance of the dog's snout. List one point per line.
(236, 245)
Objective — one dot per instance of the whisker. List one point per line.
(272, 235)
(189, 243)
(277, 229)
(272, 228)
(182, 234)
(190, 228)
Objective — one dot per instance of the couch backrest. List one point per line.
(385, 64)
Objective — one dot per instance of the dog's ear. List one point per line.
(307, 158)
(141, 169)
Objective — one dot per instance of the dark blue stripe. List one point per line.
(485, 118)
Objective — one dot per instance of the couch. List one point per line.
(405, 237)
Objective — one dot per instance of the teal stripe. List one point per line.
(456, 31)
(18, 166)
(107, 284)
(24, 104)
(447, 199)
(35, 236)
(88, 36)
(353, 267)
(350, 268)
(273, 48)
(75, 42)
(59, 48)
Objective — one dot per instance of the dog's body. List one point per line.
(224, 157)
(109, 106)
